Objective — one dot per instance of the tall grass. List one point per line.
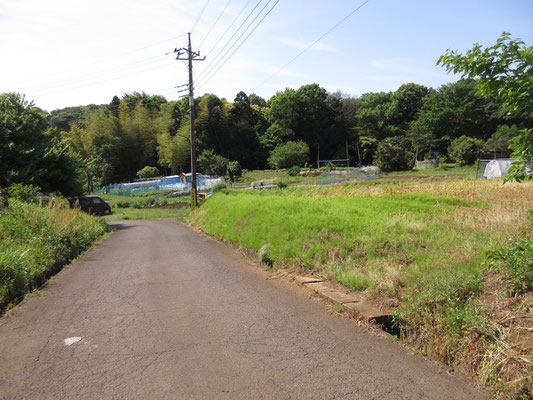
(35, 241)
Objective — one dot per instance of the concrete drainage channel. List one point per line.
(352, 302)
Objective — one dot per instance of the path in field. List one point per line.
(160, 312)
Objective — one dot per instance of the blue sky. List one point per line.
(70, 52)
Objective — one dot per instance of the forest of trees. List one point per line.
(89, 146)
(77, 149)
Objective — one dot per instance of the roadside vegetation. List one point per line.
(435, 251)
(36, 240)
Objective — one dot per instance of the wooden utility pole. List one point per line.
(190, 57)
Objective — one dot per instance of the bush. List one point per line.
(330, 166)
(123, 204)
(394, 154)
(464, 150)
(293, 171)
(289, 154)
(280, 183)
(147, 172)
(24, 193)
(218, 186)
(211, 163)
(235, 169)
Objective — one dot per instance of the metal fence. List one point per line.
(348, 174)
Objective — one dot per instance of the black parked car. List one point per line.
(90, 204)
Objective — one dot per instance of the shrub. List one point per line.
(394, 154)
(293, 171)
(235, 169)
(464, 150)
(147, 172)
(212, 164)
(219, 186)
(24, 193)
(289, 154)
(329, 166)
(280, 183)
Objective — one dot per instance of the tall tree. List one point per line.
(30, 152)
(505, 70)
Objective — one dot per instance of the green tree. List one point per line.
(505, 70)
(451, 111)
(22, 139)
(408, 99)
(174, 151)
(154, 102)
(500, 140)
(30, 151)
(394, 154)
(114, 106)
(464, 150)
(377, 116)
(289, 154)
(147, 172)
(212, 164)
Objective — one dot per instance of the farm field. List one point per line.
(418, 246)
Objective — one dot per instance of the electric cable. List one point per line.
(239, 46)
(199, 16)
(229, 40)
(107, 59)
(311, 45)
(214, 23)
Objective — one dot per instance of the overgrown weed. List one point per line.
(36, 240)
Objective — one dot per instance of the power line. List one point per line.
(311, 45)
(199, 16)
(106, 59)
(228, 28)
(81, 78)
(105, 80)
(245, 39)
(229, 40)
(214, 23)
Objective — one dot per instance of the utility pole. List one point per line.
(191, 56)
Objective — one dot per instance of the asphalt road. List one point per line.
(160, 312)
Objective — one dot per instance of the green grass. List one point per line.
(356, 240)
(417, 245)
(144, 205)
(36, 241)
(148, 213)
(144, 201)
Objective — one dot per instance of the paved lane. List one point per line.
(159, 312)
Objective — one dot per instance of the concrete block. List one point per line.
(303, 280)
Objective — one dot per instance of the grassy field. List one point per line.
(417, 244)
(159, 204)
(36, 241)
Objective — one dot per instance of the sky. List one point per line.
(62, 53)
